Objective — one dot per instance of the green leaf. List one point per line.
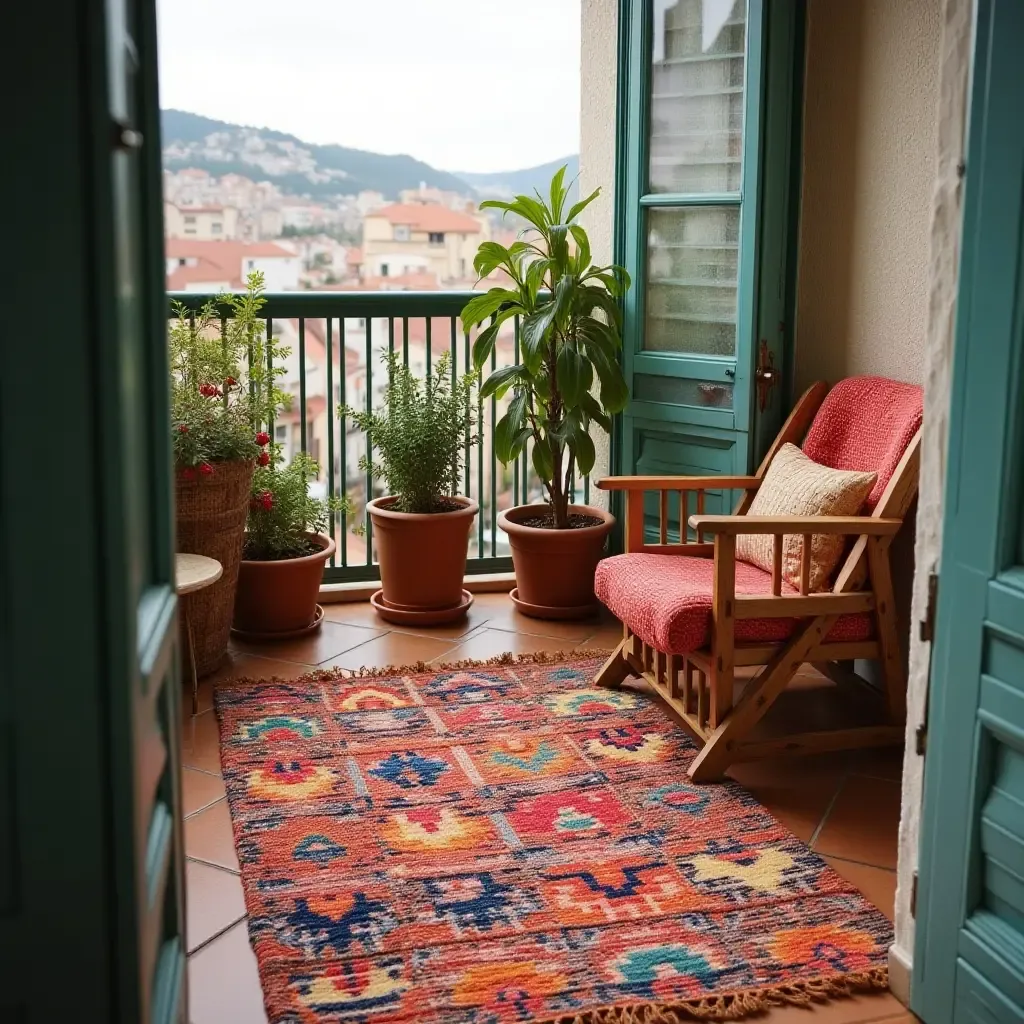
(505, 376)
(489, 256)
(579, 207)
(542, 461)
(558, 193)
(582, 444)
(582, 247)
(569, 366)
(504, 434)
(614, 391)
(534, 329)
(480, 307)
(517, 408)
(484, 345)
(590, 405)
(534, 211)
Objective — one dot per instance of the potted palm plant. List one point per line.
(286, 547)
(422, 527)
(568, 381)
(223, 395)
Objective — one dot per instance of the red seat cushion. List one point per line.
(866, 424)
(666, 601)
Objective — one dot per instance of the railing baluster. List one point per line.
(467, 457)
(663, 517)
(330, 424)
(516, 500)
(302, 383)
(270, 368)
(369, 446)
(405, 341)
(343, 374)
(454, 356)
(391, 335)
(494, 462)
(700, 512)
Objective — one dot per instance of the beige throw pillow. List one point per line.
(796, 486)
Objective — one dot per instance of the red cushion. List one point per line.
(666, 601)
(866, 423)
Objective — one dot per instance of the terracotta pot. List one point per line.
(279, 597)
(209, 517)
(555, 568)
(422, 560)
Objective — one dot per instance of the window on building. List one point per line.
(436, 237)
(216, 228)
(401, 233)
(250, 264)
(189, 220)
(383, 270)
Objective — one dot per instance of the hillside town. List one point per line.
(220, 229)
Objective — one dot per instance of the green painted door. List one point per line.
(969, 956)
(91, 867)
(704, 206)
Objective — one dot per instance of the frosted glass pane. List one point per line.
(682, 391)
(696, 140)
(691, 280)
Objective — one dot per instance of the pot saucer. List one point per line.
(429, 617)
(540, 611)
(288, 634)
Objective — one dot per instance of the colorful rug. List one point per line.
(502, 842)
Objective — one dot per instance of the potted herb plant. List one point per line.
(569, 379)
(422, 527)
(286, 545)
(223, 395)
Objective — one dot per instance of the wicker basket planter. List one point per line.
(210, 516)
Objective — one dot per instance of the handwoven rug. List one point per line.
(488, 843)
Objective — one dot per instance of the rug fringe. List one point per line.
(418, 668)
(732, 1005)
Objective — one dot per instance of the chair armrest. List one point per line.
(851, 525)
(678, 483)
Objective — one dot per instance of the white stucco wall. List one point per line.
(598, 61)
(937, 364)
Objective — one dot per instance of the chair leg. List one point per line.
(721, 748)
(615, 670)
(893, 672)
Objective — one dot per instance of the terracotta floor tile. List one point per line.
(607, 638)
(200, 742)
(363, 614)
(208, 837)
(797, 790)
(881, 763)
(878, 885)
(199, 790)
(330, 640)
(224, 982)
(502, 614)
(864, 822)
(393, 649)
(867, 1009)
(215, 901)
(490, 643)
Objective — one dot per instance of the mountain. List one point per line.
(505, 184)
(296, 167)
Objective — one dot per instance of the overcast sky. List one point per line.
(466, 85)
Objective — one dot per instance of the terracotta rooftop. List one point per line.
(225, 259)
(428, 217)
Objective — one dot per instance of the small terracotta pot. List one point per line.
(279, 597)
(422, 559)
(555, 568)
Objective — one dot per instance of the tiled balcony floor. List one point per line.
(846, 806)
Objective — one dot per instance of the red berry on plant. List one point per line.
(182, 428)
(206, 469)
(266, 500)
(188, 473)
(208, 390)
(262, 438)
(263, 458)
(230, 382)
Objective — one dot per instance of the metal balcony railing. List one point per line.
(336, 340)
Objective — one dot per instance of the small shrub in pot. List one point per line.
(287, 543)
(421, 527)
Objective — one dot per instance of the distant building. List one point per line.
(195, 265)
(407, 238)
(206, 223)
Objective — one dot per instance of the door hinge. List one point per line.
(913, 896)
(927, 625)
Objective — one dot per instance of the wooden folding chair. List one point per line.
(692, 613)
